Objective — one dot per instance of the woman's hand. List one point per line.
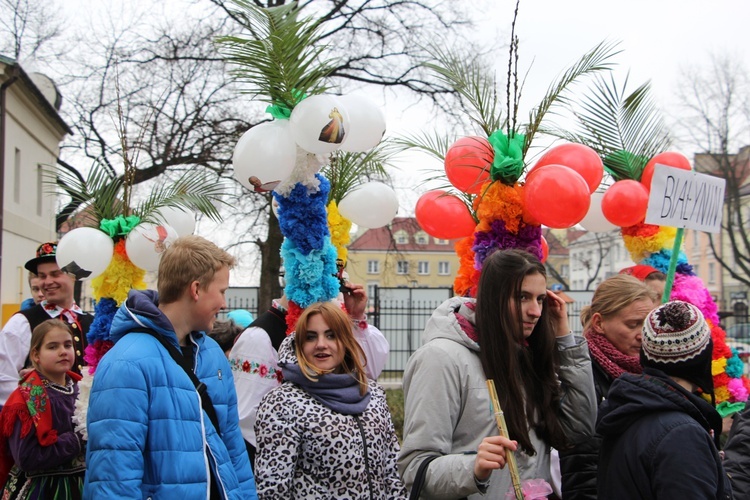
(491, 455)
(355, 300)
(558, 312)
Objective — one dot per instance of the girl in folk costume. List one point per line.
(41, 455)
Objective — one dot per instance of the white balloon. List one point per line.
(85, 252)
(146, 242)
(319, 123)
(370, 205)
(366, 123)
(181, 220)
(595, 220)
(267, 153)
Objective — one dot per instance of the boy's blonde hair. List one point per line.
(188, 259)
(41, 331)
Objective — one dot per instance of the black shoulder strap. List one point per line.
(416, 487)
(206, 403)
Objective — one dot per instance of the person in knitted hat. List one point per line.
(659, 430)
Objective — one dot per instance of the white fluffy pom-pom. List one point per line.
(82, 405)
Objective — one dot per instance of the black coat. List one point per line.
(656, 442)
(579, 464)
(737, 455)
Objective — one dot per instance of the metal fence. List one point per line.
(401, 314)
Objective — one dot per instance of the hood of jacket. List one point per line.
(446, 324)
(632, 396)
(287, 354)
(139, 311)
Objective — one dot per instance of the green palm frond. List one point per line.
(625, 129)
(99, 192)
(433, 144)
(281, 58)
(594, 61)
(346, 170)
(473, 82)
(193, 191)
(102, 195)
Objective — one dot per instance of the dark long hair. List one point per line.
(525, 375)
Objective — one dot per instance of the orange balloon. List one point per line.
(578, 157)
(556, 196)
(545, 250)
(444, 215)
(668, 158)
(468, 162)
(625, 203)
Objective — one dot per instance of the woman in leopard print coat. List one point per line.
(326, 432)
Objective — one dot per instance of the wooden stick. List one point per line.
(502, 427)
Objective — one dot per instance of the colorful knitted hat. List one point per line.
(44, 253)
(677, 341)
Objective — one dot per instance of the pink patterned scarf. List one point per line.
(613, 362)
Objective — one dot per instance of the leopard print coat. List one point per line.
(306, 450)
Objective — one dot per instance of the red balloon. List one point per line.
(468, 162)
(444, 215)
(557, 196)
(545, 250)
(625, 203)
(668, 158)
(580, 158)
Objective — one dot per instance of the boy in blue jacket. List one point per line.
(155, 429)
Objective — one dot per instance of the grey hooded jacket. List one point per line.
(447, 409)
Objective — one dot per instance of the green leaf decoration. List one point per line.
(120, 225)
(507, 165)
(280, 58)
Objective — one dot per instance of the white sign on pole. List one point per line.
(686, 199)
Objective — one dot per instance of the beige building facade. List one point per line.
(31, 130)
(401, 255)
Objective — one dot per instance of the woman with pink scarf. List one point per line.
(612, 325)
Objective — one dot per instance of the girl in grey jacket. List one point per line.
(516, 333)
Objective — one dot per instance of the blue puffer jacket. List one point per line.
(147, 431)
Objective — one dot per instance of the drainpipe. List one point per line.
(3, 88)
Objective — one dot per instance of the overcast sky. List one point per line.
(659, 38)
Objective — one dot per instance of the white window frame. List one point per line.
(401, 237)
(402, 267)
(421, 239)
(426, 265)
(373, 266)
(444, 268)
